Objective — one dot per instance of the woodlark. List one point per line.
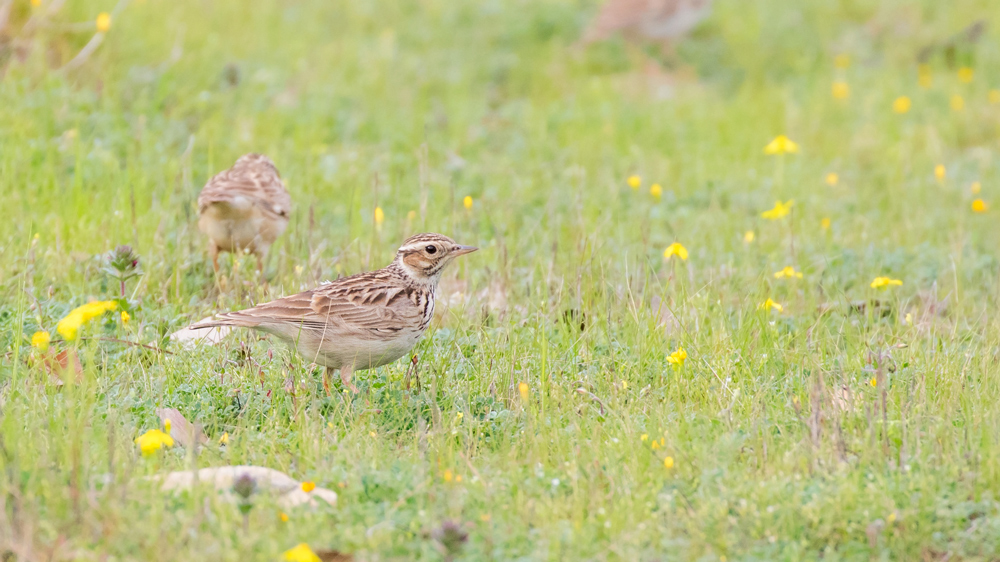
(244, 208)
(358, 322)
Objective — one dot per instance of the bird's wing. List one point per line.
(332, 309)
(253, 179)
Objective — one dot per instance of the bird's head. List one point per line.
(424, 256)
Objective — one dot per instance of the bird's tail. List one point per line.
(232, 319)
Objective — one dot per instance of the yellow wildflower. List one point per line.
(832, 179)
(103, 22)
(283, 516)
(224, 440)
(980, 206)
(842, 60)
(624, 385)
(125, 318)
(891, 518)
(655, 190)
(308, 486)
(69, 326)
(965, 74)
(780, 210)
(940, 172)
(924, 76)
(448, 476)
(668, 462)
(883, 282)
(781, 145)
(993, 96)
(824, 223)
(873, 382)
(522, 389)
(769, 304)
(901, 104)
(467, 202)
(976, 187)
(379, 216)
(644, 437)
(411, 215)
(634, 182)
(36, 3)
(152, 441)
(788, 272)
(675, 249)
(957, 103)
(166, 426)
(300, 553)
(41, 340)
(748, 236)
(840, 90)
(678, 357)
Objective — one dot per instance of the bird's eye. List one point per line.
(431, 249)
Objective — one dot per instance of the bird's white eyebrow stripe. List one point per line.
(415, 247)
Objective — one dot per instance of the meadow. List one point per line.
(587, 390)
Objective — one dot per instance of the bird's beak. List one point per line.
(463, 250)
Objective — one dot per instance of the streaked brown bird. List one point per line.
(663, 21)
(244, 208)
(358, 322)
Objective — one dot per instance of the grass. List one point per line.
(782, 448)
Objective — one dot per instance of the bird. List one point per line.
(657, 20)
(244, 208)
(362, 321)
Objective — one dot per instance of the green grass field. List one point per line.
(854, 423)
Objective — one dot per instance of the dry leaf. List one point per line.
(189, 337)
(185, 432)
(55, 364)
(288, 489)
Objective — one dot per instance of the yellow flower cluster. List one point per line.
(103, 22)
(300, 553)
(770, 304)
(781, 145)
(788, 272)
(153, 440)
(69, 327)
(780, 210)
(675, 249)
(41, 340)
(678, 357)
(884, 282)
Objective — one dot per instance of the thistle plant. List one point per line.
(244, 487)
(123, 264)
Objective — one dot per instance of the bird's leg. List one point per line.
(345, 377)
(327, 373)
(213, 251)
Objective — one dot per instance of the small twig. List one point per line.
(592, 396)
(125, 342)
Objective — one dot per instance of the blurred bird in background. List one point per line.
(661, 21)
(244, 208)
